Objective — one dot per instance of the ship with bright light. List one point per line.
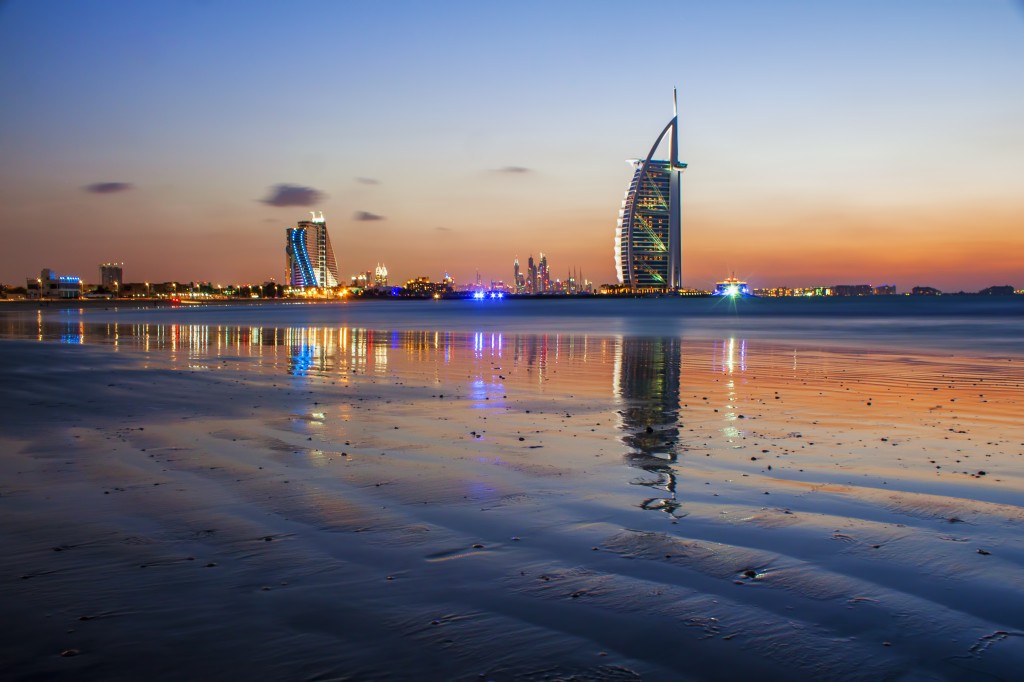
(732, 288)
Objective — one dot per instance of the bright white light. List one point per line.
(732, 290)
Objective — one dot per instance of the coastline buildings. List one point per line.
(853, 290)
(51, 285)
(311, 261)
(111, 275)
(423, 287)
(647, 237)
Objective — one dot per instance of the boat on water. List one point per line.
(732, 287)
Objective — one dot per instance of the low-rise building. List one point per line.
(51, 285)
(853, 290)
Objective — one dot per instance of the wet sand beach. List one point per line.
(220, 500)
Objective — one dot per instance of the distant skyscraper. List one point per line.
(311, 260)
(531, 275)
(380, 275)
(111, 274)
(518, 281)
(647, 248)
(543, 276)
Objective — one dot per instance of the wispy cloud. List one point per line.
(108, 187)
(368, 181)
(513, 170)
(440, 228)
(293, 195)
(366, 216)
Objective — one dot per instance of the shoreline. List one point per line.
(419, 505)
(154, 302)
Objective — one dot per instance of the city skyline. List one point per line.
(869, 143)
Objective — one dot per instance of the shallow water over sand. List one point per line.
(201, 497)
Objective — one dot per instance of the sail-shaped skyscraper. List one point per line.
(647, 249)
(311, 261)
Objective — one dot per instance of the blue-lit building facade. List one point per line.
(51, 285)
(311, 261)
(648, 255)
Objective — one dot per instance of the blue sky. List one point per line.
(838, 142)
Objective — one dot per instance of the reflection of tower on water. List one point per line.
(307, 350)
(533, 350)
(648, 375)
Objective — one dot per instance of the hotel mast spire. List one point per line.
(675, 130)
(675, 255)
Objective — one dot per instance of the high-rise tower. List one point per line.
(518, 281)
(647, 249)
(311, 260)
(111, 275)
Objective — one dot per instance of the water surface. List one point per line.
(409, 491)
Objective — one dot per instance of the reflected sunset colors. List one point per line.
(670, 397)
(643, 478)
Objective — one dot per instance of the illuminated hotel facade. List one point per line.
(648, 256)
(311, 261)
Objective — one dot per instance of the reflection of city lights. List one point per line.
(733, 355)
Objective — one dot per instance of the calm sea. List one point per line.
(959, 324)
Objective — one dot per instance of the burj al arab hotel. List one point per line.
(647, 250)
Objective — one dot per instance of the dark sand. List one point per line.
(216, 502)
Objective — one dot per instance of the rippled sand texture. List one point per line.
(336, 503)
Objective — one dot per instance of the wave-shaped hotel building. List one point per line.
(311, 261)
(648, 254)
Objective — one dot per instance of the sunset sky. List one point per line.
(828, 142)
